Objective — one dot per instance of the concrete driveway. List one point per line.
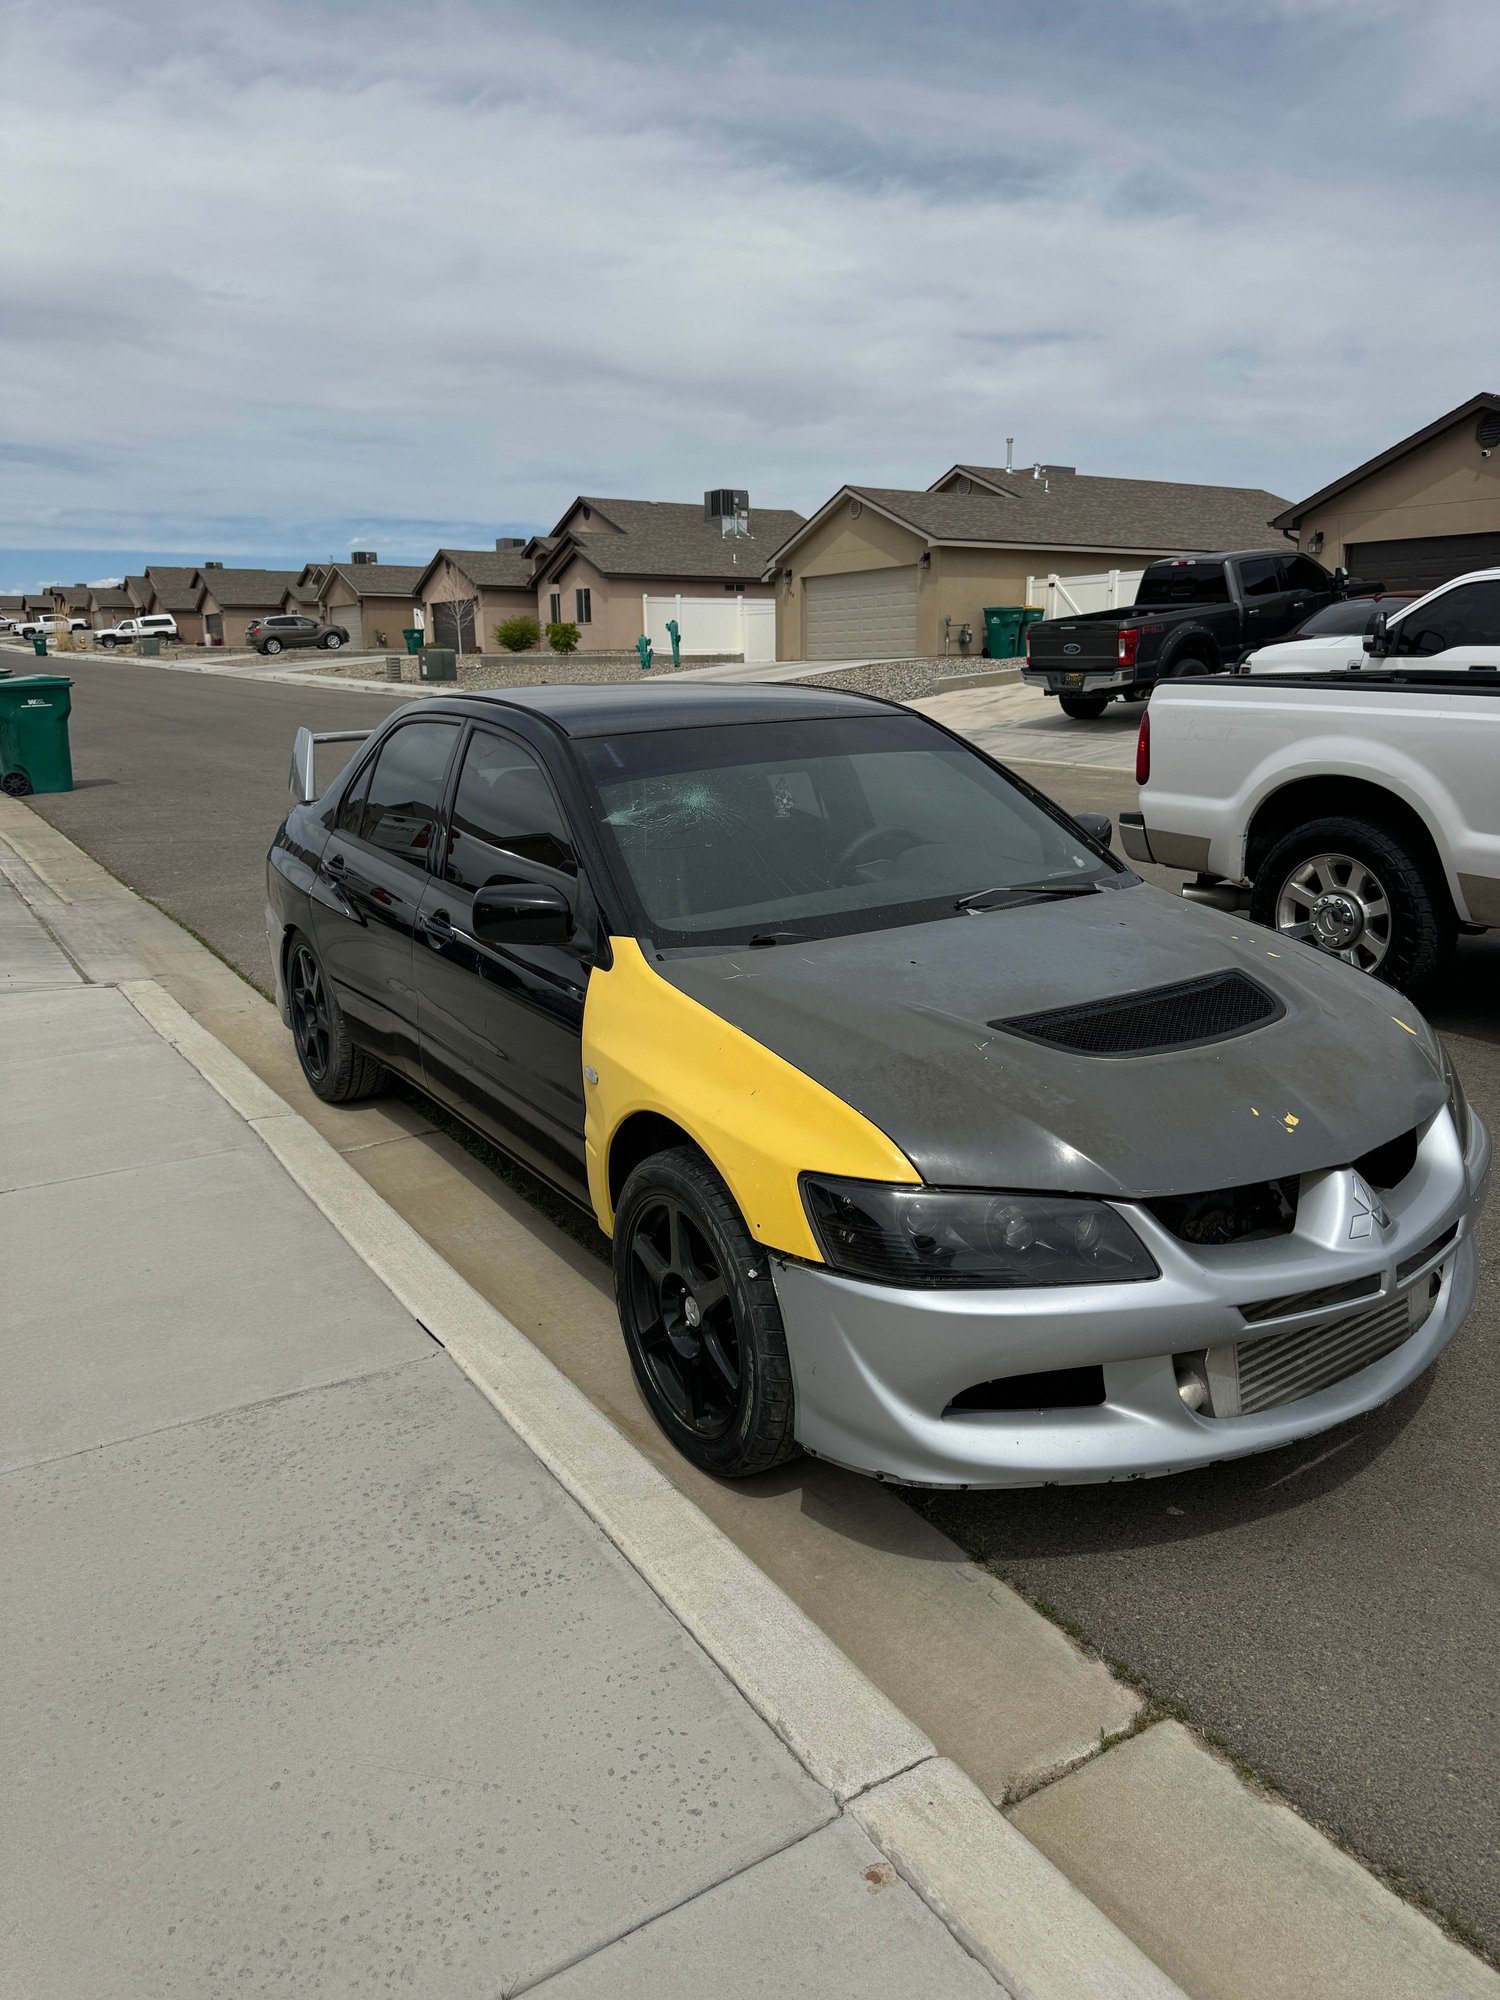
(1329, 1611)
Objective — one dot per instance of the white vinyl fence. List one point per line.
(713, 625)
(1106, 590)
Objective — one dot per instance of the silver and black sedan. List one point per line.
(929, 1138)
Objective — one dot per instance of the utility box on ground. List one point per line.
(437, 663)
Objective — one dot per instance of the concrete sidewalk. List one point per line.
(317, 1679)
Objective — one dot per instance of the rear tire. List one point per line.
(1406, 922)
(700, 1317)
(337, 1071)
(271, 646)
(1083, 707)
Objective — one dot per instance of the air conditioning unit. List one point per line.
(363, 556)
(730, 507)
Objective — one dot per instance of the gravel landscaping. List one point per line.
(907, 680)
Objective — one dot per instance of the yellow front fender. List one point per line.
(761, 1121)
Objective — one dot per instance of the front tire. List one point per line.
(1351, 888)
(332, 643)
(700, 1317)
(338, 1072)
(1083, 707)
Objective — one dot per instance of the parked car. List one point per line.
(1191, 615)
(272, 635)
(1355, 811)
(151, 625)
(49, 624)
(1330, 638)
(929, 1137)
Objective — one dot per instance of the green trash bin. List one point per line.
(1002, 625)
(39, 644)
(34, 753)
(413, 641)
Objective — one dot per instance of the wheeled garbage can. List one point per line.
(34, 752)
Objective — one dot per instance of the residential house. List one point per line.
(884, 572)
(164, 588)
(69, 600)
(464, 594)
(108, 604)
(227, 600)
(12, 606)
(375, 602)
(1423, 511)
(607, 558)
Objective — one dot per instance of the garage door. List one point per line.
(867, 614)
(348, 615)
(1422, 563)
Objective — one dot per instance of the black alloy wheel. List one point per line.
(336, 1069)
(700, 1318)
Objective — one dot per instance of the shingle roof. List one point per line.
(379, 579)
(12, 601)
(491, 569)
(669, 538)
(1485, 403)
(173, 587)
(247, 589)
(112, 598)
(1065, 509)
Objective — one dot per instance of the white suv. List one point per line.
(155, 625)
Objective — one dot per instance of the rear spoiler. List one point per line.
(304, 752)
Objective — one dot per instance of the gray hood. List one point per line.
(897, 1024)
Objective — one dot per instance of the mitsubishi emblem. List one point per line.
(1368, 1212)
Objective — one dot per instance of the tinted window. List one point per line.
(1302, 573)
(1354, 614)
(817, 828)
(352, 810)
(504, 814)
(1468, 616)
(406, 786)
(1261, 578)
(1184, 582)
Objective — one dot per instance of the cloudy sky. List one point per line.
(294, 276)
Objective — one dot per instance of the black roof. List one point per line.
(631, 706)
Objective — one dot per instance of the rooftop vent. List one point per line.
(510, 541)
(730, 507)
(1187, 1014)
(213, 565)
(363, 556)
(1487, 430)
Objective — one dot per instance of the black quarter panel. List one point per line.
(899, 1024)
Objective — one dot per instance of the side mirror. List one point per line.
(1377, 639)
(522, 913)
(1098, 826)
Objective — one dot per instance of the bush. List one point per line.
(563, 638)
(518, 635)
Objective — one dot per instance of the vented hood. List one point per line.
(977, 1044)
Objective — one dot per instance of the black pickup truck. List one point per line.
(1192, 615)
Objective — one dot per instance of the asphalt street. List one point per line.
(1328, 1612)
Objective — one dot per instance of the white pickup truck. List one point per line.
(154, 625)
(1357, 811)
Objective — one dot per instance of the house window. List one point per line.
(583, 601)
(737, 587)
(555, 611)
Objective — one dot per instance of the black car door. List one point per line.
(1263, 590)
(1308, 587)
(371, 877)
(501, 1026)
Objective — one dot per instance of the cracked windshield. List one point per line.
(757, 833)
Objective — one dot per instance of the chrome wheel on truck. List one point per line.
(1361, 893)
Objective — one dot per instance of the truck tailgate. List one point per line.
(1062, 645)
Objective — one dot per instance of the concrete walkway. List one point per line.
(1020, 725)
(316, 1679)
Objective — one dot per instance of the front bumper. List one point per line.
(876, 1367)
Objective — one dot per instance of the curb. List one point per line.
(1009, 1906)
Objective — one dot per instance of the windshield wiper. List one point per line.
(777, 937)
(1024, 892)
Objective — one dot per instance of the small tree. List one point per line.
(563, 638)
(518, 635)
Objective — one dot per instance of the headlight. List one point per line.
(935, 1236)
(1458, 1104)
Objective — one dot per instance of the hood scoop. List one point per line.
(1185, 1015)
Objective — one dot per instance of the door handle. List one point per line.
(438, 920)
(335, 864)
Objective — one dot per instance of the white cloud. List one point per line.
(295, 268)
